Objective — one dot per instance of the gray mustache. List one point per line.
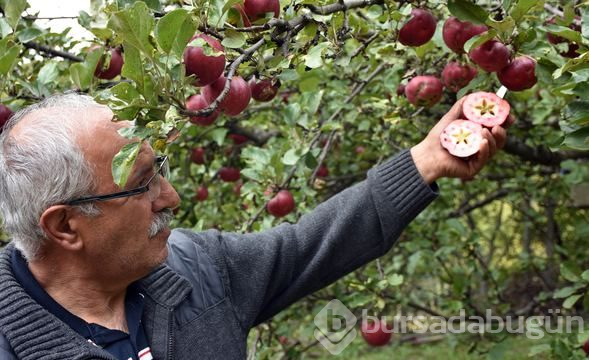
(161, 221)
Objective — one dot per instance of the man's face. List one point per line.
(117, 242)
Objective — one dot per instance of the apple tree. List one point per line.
(269, 107)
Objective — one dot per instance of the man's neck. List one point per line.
(83, 296)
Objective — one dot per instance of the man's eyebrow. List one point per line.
(143, 169)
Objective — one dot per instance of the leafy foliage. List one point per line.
(509, 241)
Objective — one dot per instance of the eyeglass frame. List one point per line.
(162, 170)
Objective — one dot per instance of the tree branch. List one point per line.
(283, 25)
(468, 208)
(52, 52)
(258, 137)
(541, 154)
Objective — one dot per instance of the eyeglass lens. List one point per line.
(162, 168)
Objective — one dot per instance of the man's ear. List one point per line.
(60, 225)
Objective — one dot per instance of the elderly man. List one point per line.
(94, 272)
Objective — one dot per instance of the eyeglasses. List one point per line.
(152, 187)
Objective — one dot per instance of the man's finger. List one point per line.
(508, 122)
(491, 141)
(483, 156)
(500, 135)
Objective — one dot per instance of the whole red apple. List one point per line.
(263, 90)
(206, 64)
(198, 102)
(374, 333)
(425, 90)
(229, 174)
(555, 39)
(281, 204)
(197, 155)
(519, 75)
(323, 171)
(456, 76)
(114, 66)
(238, 139)
(419, 29)
(202, 194)
(256, 9)
(491, 56)
(5, 114)
(456, 33)
(236, 100)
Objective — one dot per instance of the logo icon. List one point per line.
(335, 327)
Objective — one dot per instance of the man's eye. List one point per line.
(144, 181)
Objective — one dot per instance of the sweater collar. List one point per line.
(34, 333)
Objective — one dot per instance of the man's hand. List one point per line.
(433, 161)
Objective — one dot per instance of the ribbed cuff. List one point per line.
(399, 190)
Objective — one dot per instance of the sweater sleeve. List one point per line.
(267, 271)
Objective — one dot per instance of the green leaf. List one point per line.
(568, 274)
(479, 40)
(504, 27)
(28, 34)
(229, 4)
(218, 135)
(133, 66)
(153, 4)
(9, 58)
(291, 157)
(569, 302)
(134, 25)
(102, 33)
(522, 7)
(82, 73)
(122, 163)
(578, 139)
(310, 80)
(467, 10)
(125, 91)
(233, 39)
(5, 29)
(585, 275)
(174, 30)
(291, 113)
(314, 58)
(13, 10)
(565, 32)
(577, 112)
(48, 73)
(395, 279)
(585, 24)
(565, 292)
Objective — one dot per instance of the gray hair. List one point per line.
(43, 166)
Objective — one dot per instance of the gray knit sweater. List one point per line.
(216, 286)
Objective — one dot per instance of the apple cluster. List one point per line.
(204, 58)
(515, 74)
